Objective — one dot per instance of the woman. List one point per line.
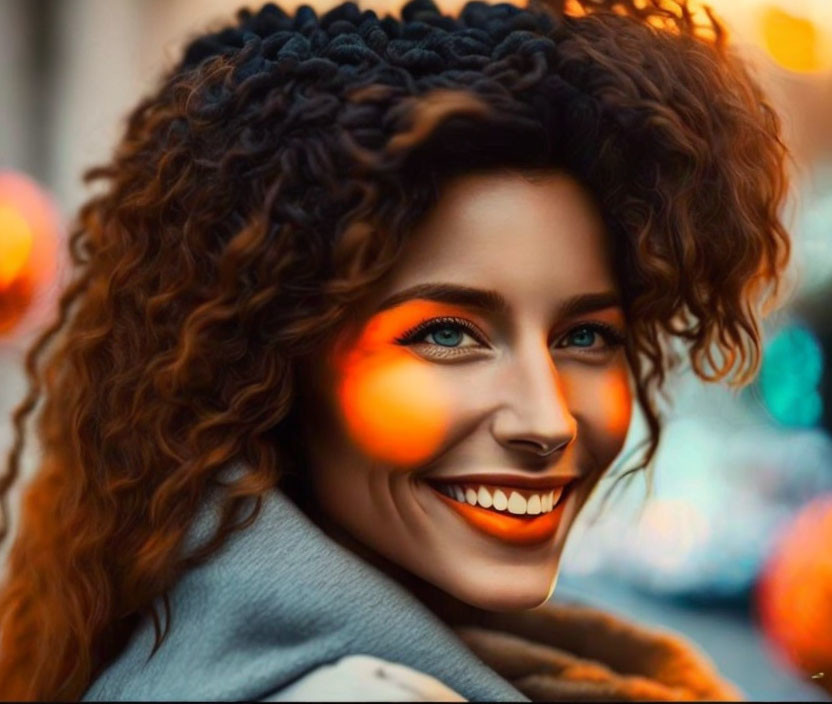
(356, 330)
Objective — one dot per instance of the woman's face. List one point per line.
(461, 425)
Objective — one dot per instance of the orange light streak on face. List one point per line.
(618, 403)
(393, 403)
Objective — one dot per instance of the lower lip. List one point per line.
(518, 530)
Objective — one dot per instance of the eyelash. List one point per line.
(427, 326)
(613, 337)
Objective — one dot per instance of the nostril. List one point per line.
(540, 448)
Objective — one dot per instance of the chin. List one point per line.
(517, 590)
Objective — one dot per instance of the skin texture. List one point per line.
(392, 411)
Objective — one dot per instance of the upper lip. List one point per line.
(551, 481)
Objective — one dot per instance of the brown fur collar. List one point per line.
(565, 652)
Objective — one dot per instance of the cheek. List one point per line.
(602, 401)
(393, 407)
(617, 402)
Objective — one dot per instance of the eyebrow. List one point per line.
(489, 301)
(493, 302)
(588, 303)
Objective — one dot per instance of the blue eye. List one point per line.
(447, 336)
(448, 333)
(582, 337)
(586, 337)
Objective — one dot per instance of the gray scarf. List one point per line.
(280, 599)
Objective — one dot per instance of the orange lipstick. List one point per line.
(515, 529)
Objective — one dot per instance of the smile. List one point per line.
(512, 514)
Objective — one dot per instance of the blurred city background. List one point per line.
(733, 545)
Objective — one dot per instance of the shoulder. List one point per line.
(366, 678)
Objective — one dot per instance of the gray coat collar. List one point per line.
(280, 599)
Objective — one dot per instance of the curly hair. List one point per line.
(266, 185)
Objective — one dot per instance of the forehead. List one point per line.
(538, 238)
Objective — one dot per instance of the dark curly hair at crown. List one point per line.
(270, 180)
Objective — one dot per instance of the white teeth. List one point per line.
(516, 503)
(500, 500)
(533, 504)
(556, 493)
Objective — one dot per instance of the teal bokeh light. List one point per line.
(791, 372)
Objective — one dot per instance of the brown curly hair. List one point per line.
(262, 190)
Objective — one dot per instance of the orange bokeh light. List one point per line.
(793, 42)
(794, 595)
(29, 227)
(15, 243)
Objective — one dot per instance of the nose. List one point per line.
(534, 415)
